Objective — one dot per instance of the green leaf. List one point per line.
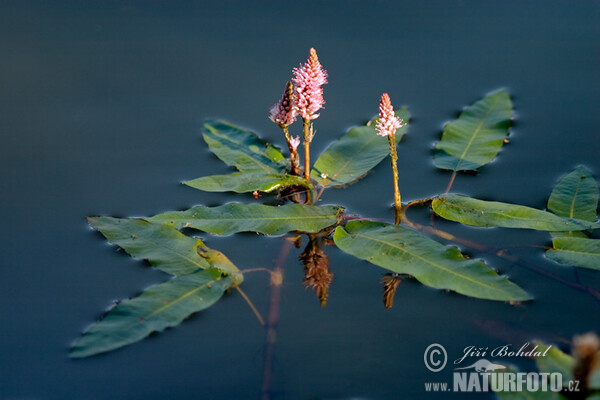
(262, 166)
(270, 220)
(242, 149)
(157, 308)
(580, 252)
(243, 182)
(405, 251)
(354, 154)
(595, 380)
(575, 196)
(475, 138)
(162, 245)
(555, 361)
(483, 213)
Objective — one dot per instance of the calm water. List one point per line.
(102, 103)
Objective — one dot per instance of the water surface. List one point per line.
(102, 103)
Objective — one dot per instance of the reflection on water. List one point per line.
(102, 105)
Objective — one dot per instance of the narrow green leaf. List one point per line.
(595, 381)
(405, 251)
(242, 149)
(575, 196)
(476, 212)
(475, 138)
(162, 245)
(555, 361)
(157, 308)
(270, 220)
(354, 154)
(243, 182)
(580, 252)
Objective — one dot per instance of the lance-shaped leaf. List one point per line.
(580, 252)
(270, 220)
(242, 149)
(157, 308)
(475, 138)
(161, 244)
(575, 195)
(354, 154)
(243, 182)
(405, 251)
(555, 360)
(483, 213)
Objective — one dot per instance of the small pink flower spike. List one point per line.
(284, 112)
(308, 79)
(388, 122)
(295, 142)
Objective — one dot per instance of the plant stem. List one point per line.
(451, 182)
(252, 306)
(397, 199)
(307, 139)
(293, 152)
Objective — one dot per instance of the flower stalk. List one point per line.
(387, 125)
(308, 80)
(284, 113)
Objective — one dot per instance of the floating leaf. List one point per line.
(262, 166)
(243, 182)
(405, 251)
(242, 149)
(157, 308)
(483, 213)
(575, 196)
(580, 252)
(236, 217)
(475, 138)
(354, 154)
(162, 245)
(555, 360)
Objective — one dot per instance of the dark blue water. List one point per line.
(101, 106)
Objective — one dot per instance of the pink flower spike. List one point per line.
(284, 112)
(388, 122)
(308, 79)
(295, 142)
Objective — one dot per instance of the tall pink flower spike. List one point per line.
(284, 113)
(308, 79)
(386, 126)
(388, 122)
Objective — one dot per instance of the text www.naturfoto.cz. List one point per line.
(436, 387)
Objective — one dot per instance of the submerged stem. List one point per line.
(450, 183)
(252, 307)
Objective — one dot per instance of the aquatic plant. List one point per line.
(407, 250)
